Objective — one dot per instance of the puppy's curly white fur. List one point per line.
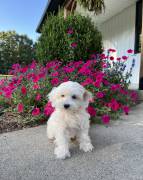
(70, 118)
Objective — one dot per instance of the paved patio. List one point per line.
(118, 154)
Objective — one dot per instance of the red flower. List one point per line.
(74, 45)
(8, 94)
(70, 31)
(115, 87)
(20, 107)
(54, 74)
(36, 86)
(36, 79)
(38, 97)
(104, 65)
(97, 84)
(33, 65)
(36, 112)
(111, 58)
(114, 105)
(130, 51)
(111, 50)
(23, 90)
(87, 82)
(105, 119)
(24, 70)
(126, 109)
(69, 69)
(124, 57)
(48, 110)
(118, 59)
(55, 81)
(91, 110)
(99, 94)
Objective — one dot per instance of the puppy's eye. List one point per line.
(74, 97)
(62, 95)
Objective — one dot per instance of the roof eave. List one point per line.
(52, 6)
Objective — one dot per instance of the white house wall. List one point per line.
(119, 31)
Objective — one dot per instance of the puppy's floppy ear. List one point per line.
(51, 95)
(87, 96)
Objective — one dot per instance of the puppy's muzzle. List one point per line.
(66, 106)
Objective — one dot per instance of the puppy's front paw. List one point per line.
(86, 147)
(61, 153)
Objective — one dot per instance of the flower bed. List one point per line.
(26, 93)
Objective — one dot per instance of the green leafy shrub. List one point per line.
(68, 39)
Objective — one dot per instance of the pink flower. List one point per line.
(48, 110)
(115, 87)
(35, 112)
(104, 65)
(23, 90)
(74, 45)
(130, 51)
(20, 107)
(114, 105)
(87, 82)
(55, 81)
(15, 66)
(77, 64)
(118, 59)
(38, 97)
(123, 91)
(105, 119)
(99, 76)
(126, 109)
(124, 57)
(54, 74)
(134, 95)
(36, 86)
(2, 82)
(84, 70)
(97, 84)
(8, 94)
(70, 31)
(111, 50)
(42, 75)
(24, 70)
(99, 94)
(111, 58)
(91, 110)
(33, 65)
(68, 69)
(102, 56)
(36, 79)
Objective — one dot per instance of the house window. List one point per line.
(138, 26)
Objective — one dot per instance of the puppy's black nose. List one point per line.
(66, 106)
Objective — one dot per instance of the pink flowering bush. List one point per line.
(27, 91)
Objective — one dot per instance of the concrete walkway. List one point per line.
(118, 154)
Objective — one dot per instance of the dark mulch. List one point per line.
(9, 122)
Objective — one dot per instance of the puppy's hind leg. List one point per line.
(62, 145)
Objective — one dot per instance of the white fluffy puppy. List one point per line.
(70, 118)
